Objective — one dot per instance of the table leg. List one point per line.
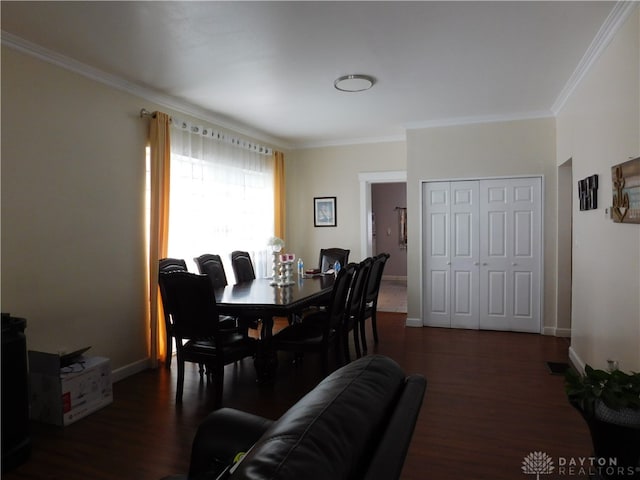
(266, 361)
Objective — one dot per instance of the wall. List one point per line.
(385, 197)
(598, 127)
(73, 174)
(73, 211)
(329, 172)
(500, 149)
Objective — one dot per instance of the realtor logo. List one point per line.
(537, 463)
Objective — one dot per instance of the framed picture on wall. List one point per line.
(324, 212)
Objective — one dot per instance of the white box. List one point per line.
(63, 395)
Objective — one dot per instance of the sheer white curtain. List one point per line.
(222, 192)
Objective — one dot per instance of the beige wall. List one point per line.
(517, 148)
(332, 172)
(599, 126)
(72, 211)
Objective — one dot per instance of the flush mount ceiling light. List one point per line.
(354, 83)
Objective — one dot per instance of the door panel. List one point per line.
(510, 258)
(436, 295)
(465, 254)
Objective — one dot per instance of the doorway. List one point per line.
(380, 194)
(565, 248)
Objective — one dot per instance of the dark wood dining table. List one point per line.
(261, 299)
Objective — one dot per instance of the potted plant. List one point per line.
(609, 401)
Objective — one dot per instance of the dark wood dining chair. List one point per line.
(169, 265)
(199, 339)
(371, 299)
(328, 257)
(212, 266)
(243, 271)
(242, 266)
(320, 330)
(355, 307)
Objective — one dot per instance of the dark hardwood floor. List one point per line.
(490, 401)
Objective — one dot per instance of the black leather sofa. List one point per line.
(355, 424)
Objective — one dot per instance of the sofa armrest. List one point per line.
(220, 437)
(388, 459)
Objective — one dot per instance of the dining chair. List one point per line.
(199, 339)
(242, 266)
(212, 266)
(319, 330)
(371, 298)
(355, 307)
(328, 257)
(169, 265)
(243, 271)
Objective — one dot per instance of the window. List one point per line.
(221, 196)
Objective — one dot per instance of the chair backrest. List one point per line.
(328, 257)
(356, 300)
(242, 266)
(167, 265)
(172, 265)
(209, 264)
(192, 304)
(340, 294)
(375, 277)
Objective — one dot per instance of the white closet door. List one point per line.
(510, 253)
(465, 254)
(436, 227)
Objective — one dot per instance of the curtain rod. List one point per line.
(214, 134)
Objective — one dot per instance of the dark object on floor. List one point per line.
(356, 424)
(558, 368)
(16, 435)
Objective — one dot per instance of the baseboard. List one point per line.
(557, 332)
(131, 369)
(394, 277)
(575, 360)
(414, 322)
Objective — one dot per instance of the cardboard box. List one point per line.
(62, 395)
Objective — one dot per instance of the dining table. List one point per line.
(263, 298)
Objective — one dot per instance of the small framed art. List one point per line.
(324, 212)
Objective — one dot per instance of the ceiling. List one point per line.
(267, 68)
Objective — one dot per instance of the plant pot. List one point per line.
(625, 417)
(616, 444)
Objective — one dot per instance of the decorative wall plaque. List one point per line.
(625, 178)
(588, 193)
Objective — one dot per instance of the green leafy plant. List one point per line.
(616, 389)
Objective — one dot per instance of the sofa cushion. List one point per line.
(336, 425)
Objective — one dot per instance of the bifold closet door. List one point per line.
(481, 254)
(510, 254)
(452, 254)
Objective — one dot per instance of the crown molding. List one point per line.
(351, 141)
(459, 121)
(167, 101)
(621, 11)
